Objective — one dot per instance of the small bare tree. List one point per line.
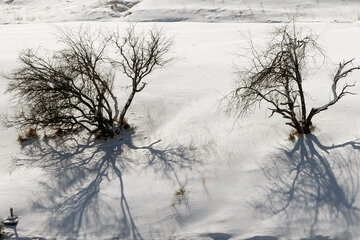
(276, 76)
(66, 89)
(138, 56)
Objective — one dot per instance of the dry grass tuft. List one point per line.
(29, 135)
(59, 132)
(126, 125)
(179, 197)
(293, 134)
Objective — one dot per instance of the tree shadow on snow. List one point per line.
(312, 183)
(78, 168)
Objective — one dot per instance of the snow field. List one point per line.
(182, 138)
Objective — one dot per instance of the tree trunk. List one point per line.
(302, 100)
(306, 129)
(126, 107)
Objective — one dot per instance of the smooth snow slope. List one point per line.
(26, 11)
(189, 171)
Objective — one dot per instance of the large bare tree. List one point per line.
(72, 88)
(276, 76)
(68, 88)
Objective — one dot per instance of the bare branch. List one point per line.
(341, 73)
(139, 55)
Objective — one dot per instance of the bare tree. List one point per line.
(72, 88)
(138, 56)
(276, 76)
(68, 88)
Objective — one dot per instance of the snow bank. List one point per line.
(25, 11)
(18, 11)
(245, 11)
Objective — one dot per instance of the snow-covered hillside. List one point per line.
(188, 170)
(27, 11)
(245, 10)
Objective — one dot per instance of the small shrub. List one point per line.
(192, 146)
(99, 135)
(21, 139)
(29, 135)
(292, 135)
(18, 18)
(179, 197)
(180, 192)
(126, 125)
(58, 133)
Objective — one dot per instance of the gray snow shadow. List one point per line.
(169, 160)
(120, 5)
(319, 237)
(262, 238)
(217, 236)
(11, 233)
(311, 184)
(78, 168)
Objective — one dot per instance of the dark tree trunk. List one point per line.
(126, 107)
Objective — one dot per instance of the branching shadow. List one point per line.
(314, 182)
(78, 168)
(168, 160)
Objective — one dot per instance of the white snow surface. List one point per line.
(28, 11)
(237, 175)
